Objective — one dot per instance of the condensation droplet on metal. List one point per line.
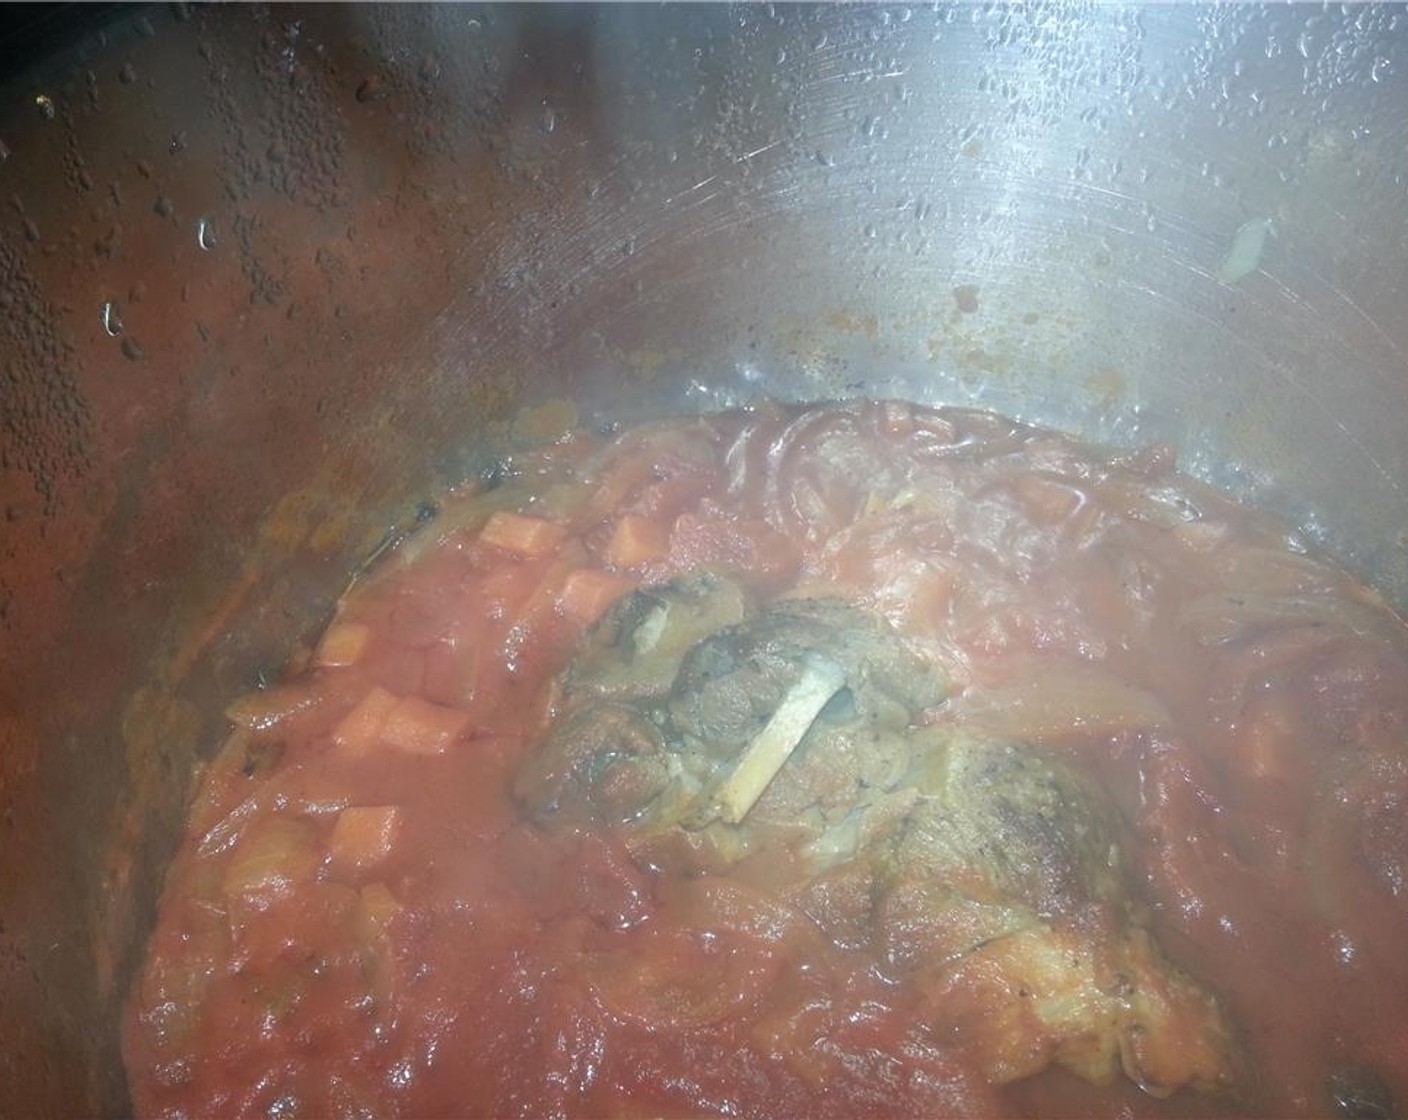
(1244, 256)
(45, 104)
(205, 234)
(548, 121)
(4, 151)
(1380, 69)
(111, 318)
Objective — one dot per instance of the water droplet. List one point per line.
(45, 104)
(1244, 256)
(205, 234)
(177, 143)
(111, 317)
(4, 151)
(548, 121)
(780, 57)
(128, 74)
(1381, 69)
(131, 351)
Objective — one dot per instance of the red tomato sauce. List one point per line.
(361, 921)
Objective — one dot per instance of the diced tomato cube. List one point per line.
(588, 592)
(421, 727)
(344, 643)
(360, 729)
(521, 534)
(636, 541)
(364, 837)
(377, 906)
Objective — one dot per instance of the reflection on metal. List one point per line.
(111, 319)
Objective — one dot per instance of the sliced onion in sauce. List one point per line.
(1061, 701)
(1224, 617)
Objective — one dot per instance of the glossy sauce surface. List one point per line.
(364, 921)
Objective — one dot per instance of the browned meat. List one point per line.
(1007, 901)
(984, 874)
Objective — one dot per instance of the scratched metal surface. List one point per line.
(271, 275)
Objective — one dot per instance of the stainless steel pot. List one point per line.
(270, 276)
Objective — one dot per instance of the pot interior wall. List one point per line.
(271, 277)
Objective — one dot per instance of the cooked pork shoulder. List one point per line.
(984, 873)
